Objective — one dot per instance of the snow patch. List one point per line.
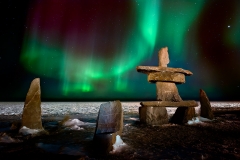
(204, 119)
(198, 120)
(134, 119)
(118, 145)
(26, 131)
(74, 124)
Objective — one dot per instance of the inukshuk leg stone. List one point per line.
(109, 125)
(31, 117)
(206, 109)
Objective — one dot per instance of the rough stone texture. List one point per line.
(167, 91)
(169, 104)
(31, 117)
(110, 118)
(206, 109)
(103, 143)
(165, 79)
(150, 69)
(166, 76)
(153, 115)
(163, 57)
(182, 115)
(109, 125)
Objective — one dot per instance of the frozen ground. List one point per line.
(72, 108)
(217, 139)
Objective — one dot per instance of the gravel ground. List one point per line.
(217, 139)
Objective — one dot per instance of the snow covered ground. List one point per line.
(71, 108)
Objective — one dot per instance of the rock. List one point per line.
(166, 76)
(182, 115)
(153, 115)
(110, 118)
(169, 104)
(163, 57)
(109, 125)
(167, 91)
(31, 117)
(150, 69)
(103, 143)
(206, 109)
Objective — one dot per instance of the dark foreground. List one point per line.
(219, 139)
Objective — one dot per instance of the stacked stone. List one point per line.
(154, 112)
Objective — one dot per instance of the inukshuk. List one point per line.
(154, 112)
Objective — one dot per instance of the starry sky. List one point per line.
(88, 50)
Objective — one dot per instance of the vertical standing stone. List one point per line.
(109, 125)
(183, 115)
(153, 115)
(167, 91)
(206, 109)
(163, 57)
(31, 117)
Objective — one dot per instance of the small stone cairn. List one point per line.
(154, 112)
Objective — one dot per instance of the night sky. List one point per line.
(88, 50)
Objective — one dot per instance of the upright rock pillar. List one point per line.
(155, 113)
(109, 126)
(31, 117)
(205, 106)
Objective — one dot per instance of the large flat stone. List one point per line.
(166, 76)
(31, 117)
(110, 118)
(167, 91)
(150, 69)
(191, 103)
(109, 125)
(153, 115)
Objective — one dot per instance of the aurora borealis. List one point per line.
(89, 49)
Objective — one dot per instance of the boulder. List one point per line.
(31, 117)
(166, 76)
(205, 106)
(109, 125)
(167, 91)
(153, 115)
(182, 115)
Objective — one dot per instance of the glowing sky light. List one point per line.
(90, 49)
(77, 55)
